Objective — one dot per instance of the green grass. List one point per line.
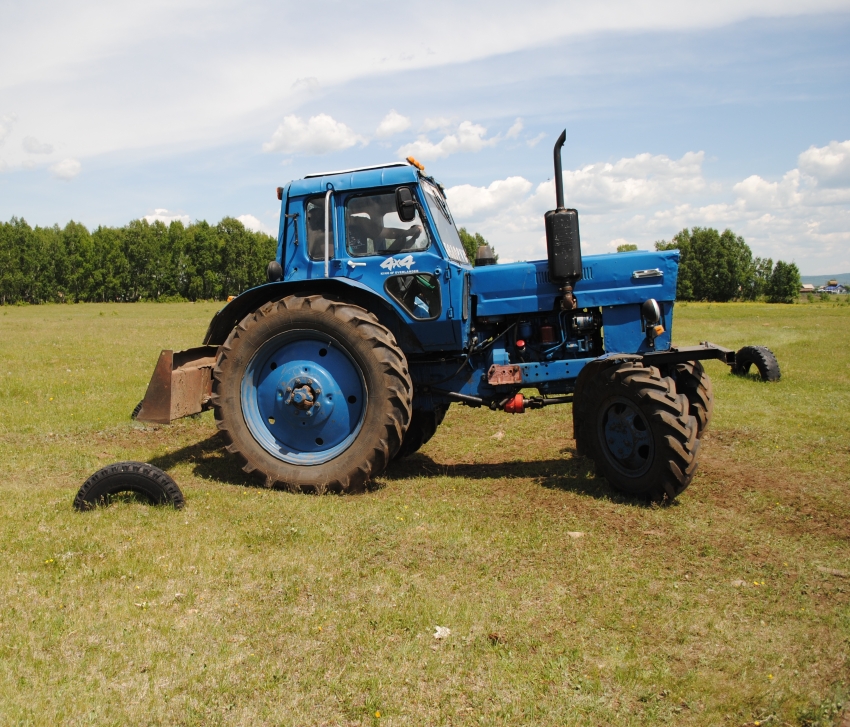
(261, 607)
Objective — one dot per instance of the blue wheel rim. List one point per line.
(625, 436)
(303, 397)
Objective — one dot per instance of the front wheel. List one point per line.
(312, 393)
(423, 426)
(639, 431)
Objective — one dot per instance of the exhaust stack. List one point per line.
(562, 238)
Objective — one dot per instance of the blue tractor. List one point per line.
(374, 322)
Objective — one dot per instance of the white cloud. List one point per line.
(468, 137)
(86, 57)
(163, 215)
(441, 123)
(309, 83)
(34, 146)
(392, 123)
(513, 132)
(830, 164)
(66, 170)
(468, 202)
(253, 223)
(6, 123)
(318, 135)
(648, 197)
(638, 181)
(536, 140)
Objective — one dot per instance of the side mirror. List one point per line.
(274, 271)
(405, 204)
(651, 311)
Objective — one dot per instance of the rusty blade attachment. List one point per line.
(181, 385)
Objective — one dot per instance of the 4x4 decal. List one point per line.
(392, 263)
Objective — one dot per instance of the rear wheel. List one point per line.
(423, 426)
(759, 356)
(313, 394)
(639, 431)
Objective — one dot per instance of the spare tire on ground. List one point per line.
(759, 356)
(148, 482)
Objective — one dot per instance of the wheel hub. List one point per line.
(303, 393)
(627, 439)
(303, 397)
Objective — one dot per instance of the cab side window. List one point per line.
(314, 217)
(373, 227)
(418, 294)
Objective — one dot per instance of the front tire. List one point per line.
(639, 431)
(423, 426)
(313, 394)
(694, 383)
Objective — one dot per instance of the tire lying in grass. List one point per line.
(759, 356)
(144, 480)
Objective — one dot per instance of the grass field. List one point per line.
(567, 604)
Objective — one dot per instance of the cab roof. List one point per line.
(384, 175)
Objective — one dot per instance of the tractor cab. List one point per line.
(387, 230)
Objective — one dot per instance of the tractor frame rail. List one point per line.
(681, 354)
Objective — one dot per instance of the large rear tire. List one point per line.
(313, 394)
(639, 431)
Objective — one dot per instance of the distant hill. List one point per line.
(818, 280)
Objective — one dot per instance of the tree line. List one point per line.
(140, 261)
(152, 261)
(720, 267)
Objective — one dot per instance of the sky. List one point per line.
(730, 114)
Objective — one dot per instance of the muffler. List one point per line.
(562, 238)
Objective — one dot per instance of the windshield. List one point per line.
(445, 224)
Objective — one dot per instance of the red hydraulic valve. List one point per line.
(516, 405)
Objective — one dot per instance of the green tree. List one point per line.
(762, 269)
(712, 266)
(13, 238)
(244, 256)
(110, 275)
(784, 284)
(471, 242)
(202, 254)
(627, 247)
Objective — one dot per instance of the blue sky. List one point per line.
(729, 115)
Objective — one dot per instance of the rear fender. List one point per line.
(352, 291)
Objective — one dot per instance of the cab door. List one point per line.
(400, 261)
